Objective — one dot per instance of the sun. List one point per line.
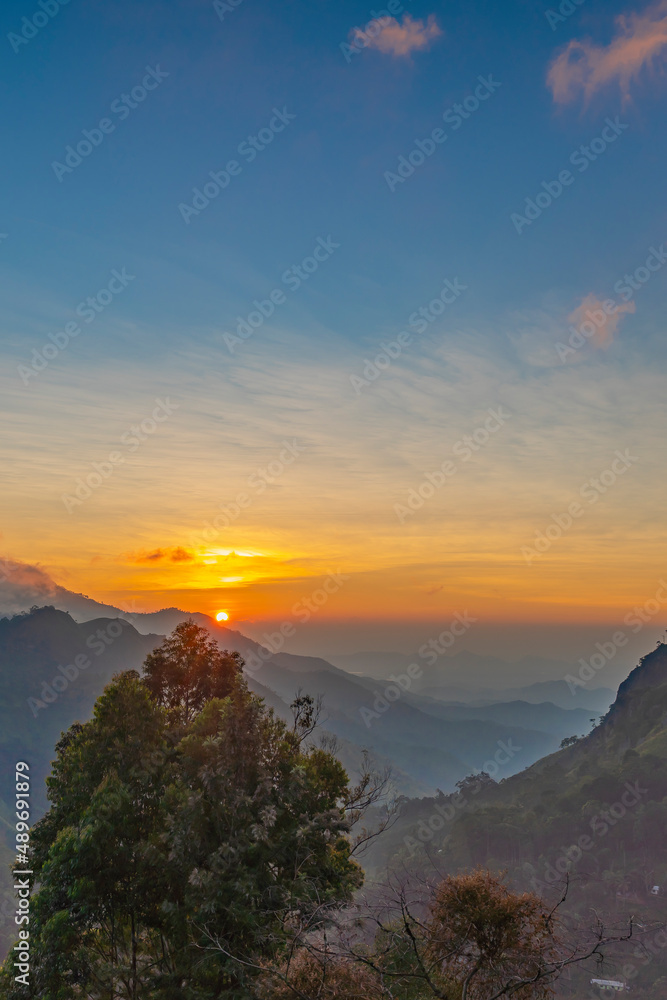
(221, 616)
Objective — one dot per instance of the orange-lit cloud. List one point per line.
(23, 585)
(26, 579)
(180, 555)
(585, 68)
(175, 555)
(592, 312)
(398, 39)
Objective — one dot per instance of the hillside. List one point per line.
(629, 744)
(437, 751)
(52, 669)
(470, 678)
(464, 676)
(429, 744)
(595, 811)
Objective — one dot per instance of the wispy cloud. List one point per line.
(584, 68)
(592, 311)
(399, 39)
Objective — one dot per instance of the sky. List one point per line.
(219, 216)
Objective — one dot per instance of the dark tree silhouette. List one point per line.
(189, 669)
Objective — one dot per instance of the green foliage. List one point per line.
(189, 669)
(178, 843)
(258, 828)
(595, 812)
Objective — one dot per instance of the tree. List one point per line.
(259, 832)
(96, 855)
(569, 741)
(475, 783)
(481, 936)
(469, 937)
(169, 849)
(189, 669)
(305, 975)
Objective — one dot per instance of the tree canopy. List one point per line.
(189, 669)
(179, 843)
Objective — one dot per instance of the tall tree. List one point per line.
(189, 669)
(170, 849)
(258, 831)
(97, 858)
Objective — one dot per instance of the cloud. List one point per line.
(534, 335)
(592, 312)
(177, 554)
(386, 35)
(23, 585)
(180, 555)
(540, 340)
(583, 67)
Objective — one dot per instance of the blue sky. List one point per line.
(323, 176)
